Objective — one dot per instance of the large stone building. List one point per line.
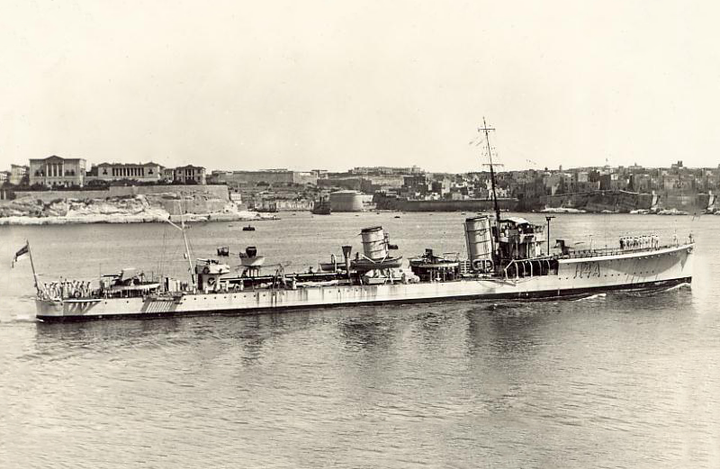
(56, 171)
(168, 174)
(18, 174)
(141, 172)
(189, 174)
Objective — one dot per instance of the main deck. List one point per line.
(640, 269)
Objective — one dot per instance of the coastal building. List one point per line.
(236, 198)
(168, 174)
(18, 174)
(189, 174)
(56, 171)
(642, 183)
(417, 185)
(141, 172)
(613, 182)
(319, 173)
(4, 177)
(559, 183)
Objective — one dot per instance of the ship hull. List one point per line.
(576, 276)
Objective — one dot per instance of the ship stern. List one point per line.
(49, 310)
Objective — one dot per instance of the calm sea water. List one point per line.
(616, 380)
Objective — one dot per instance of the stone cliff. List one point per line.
(56, 207)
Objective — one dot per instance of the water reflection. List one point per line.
(108, 333)
(506, 329)
(368, 331)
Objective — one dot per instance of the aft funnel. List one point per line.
(374, 243)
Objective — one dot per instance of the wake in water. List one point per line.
(596, 296)
(646, 292)
(24, 318)
(675, 287)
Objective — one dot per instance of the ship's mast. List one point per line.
(487, 131)
(32, 264)
(187, 249)
(187, 253)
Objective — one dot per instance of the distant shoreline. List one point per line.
(128, 219)
(116, 219)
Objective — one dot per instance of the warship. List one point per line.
(507, 257)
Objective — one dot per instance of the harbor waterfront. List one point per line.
(617, 379)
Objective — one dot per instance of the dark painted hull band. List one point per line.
(547, 295)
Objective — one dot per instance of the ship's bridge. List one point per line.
(520, 239)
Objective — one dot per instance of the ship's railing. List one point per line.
(604, 252)
(65, 289)
(525, 268)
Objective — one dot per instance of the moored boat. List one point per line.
(322, 207)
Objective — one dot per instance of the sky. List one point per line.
(336, 84)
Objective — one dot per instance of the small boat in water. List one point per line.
(322, 207)
(248, 228)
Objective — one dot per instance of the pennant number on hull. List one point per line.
(587, 270)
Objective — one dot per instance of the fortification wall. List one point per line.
(270, 177)
(598, 201)
(354, 184)
(685, 202)
(217, 191)
(213, 191)
(190, 205)
(402, 204)
(49, 196)
(475, 205)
